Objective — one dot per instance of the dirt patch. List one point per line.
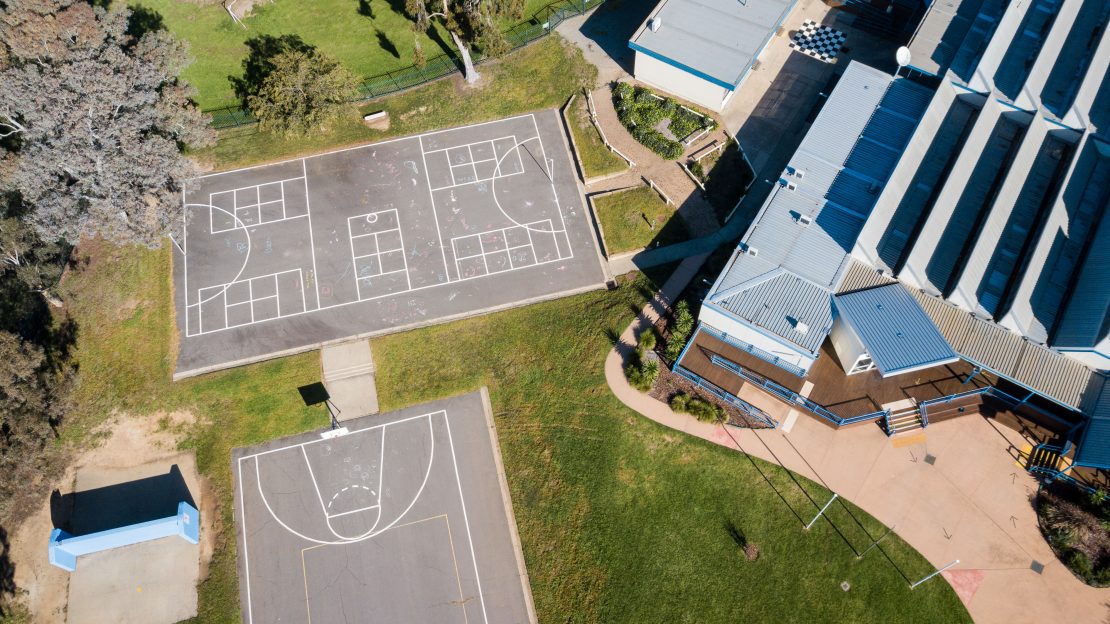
(123, 443)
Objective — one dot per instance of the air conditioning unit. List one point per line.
(752, 251)
(805, 220)
(654, 23)
(801, 327)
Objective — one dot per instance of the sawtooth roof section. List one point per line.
(1007, 354)
(940, 33)
(898, 335)
(1094, 446)
(716, 40)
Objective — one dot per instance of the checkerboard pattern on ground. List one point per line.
(819, 41)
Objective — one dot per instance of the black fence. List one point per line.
(539, 25)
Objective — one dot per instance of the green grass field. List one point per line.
(370, 37)
(596, 159)
(636, 219)
(541, 75)
(621, 520)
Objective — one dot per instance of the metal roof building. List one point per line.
(985, 196)
(893, 329)
(701, 50)
(779, 284)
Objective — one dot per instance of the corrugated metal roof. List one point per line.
(717, 38)
(779, 304)
(1086, 319)
(859, 275)
(1007, 354)
(896, 332)
(940, 34)
(836, 172)
(1094, 447)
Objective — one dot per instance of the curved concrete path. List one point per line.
(972, 503)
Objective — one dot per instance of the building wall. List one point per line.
(846, 344)
(680, 83)
(721, 322)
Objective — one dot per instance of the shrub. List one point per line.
(641, 374)
(647, 342)
(640, 111)
(680, 330)
(698, 408)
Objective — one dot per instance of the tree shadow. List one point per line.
(365, 9)
(120, 504)
(386, 44)
(142, 21)
(259, 61)
(7, 571)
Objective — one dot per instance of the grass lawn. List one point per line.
(370, 37)
(628, 518)
(538, 76)
(597, 160)
(638, 218)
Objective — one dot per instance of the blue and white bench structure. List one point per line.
(66, 548)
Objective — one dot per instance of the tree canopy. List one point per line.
(95, 119)
(469, 22)
(302, 90)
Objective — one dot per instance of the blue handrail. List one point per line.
(789, 367)
(789, 395)
(727, 397)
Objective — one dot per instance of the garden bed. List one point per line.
(659, 123)
(669, 384)
(1077, 528)
(637, 218)
(726, 176)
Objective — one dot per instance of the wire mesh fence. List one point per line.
(539, 25)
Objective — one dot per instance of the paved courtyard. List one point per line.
(288, 256)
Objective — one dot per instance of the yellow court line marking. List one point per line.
(1023, 455)
(454, 560)
(918, 438)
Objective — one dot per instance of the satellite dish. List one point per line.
(902, 56)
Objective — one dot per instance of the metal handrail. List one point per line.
(728, 397)
(789, 367)
(790, 395)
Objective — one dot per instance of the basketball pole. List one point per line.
(333, 414)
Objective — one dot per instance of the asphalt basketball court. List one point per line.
(404, 518)
(287, 256)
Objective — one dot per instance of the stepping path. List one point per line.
(348, 371)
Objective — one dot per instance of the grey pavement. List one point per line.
(404, 518)
(289, 256)
(348, 372)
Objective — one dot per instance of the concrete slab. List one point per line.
(348, 371)
(150, 583)
(405, 518)
(359, 242)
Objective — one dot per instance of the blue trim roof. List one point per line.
(1094, 447)
(683, 67)
(896, 332)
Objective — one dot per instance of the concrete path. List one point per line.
(348, 372)
(955, 492)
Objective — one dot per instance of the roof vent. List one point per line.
(801, 327)
(654, 23)
(805, 220)
(752, 251)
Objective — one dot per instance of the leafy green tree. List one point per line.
(469, 22)
(302, 92)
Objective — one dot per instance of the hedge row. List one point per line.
(640, 110)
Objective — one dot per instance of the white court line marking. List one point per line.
(372, 532)
(246, 557)
(316, 284)
(466, 521)
(311, 237)
(354, 511)
(251, 300)
(439, 234)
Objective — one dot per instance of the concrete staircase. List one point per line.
(904, 420)
(348, 372)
